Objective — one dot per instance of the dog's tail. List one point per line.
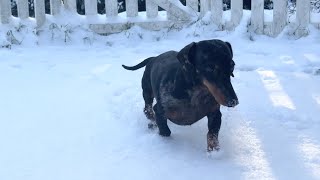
(138, 66)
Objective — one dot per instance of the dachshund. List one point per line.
(189, 85)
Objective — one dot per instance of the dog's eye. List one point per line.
(212, 69)
(209, 69)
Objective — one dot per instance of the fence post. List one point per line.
(91, 7)
(132, 8)
(23, 9)
(279, 16)
(40, 13)
(111, 8)
(257, 16)
(216, 12)
(55, 6)
(5, 11)
(236, 13)
(151, 8)
(204, 6)
(193, 4)
(71, 5)
(303, 17)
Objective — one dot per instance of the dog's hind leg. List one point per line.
(148, 99)
(214, 123)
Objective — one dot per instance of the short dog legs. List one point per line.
(148, 111)
(214, 123)
(161, 120)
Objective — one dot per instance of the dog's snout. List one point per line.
(233, 103)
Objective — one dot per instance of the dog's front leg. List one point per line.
(214, 123)
(161, 120)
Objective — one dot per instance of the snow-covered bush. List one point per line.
(315, 6)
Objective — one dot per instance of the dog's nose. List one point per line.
(233, 103)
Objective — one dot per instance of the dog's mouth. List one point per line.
(220, 94)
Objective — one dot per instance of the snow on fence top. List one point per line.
(176, 14)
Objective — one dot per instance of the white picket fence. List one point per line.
(177, 14)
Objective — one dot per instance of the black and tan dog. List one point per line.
(189, 85)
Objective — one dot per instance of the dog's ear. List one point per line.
(230, 48)
(185, 56)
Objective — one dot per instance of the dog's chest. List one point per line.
(197, 103)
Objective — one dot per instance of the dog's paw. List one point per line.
(149, 113)
(165, 132)
(213, 148)
(212, 143)
(152, 125)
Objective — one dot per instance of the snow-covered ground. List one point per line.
(70, 112)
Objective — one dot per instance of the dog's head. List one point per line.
(210, 63)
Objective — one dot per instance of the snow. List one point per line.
(69, 111)
(315, 17)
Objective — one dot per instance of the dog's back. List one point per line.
(162, 69)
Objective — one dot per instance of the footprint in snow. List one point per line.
(120, 91)
(100, 69)
(51, 66)
(94, 78)
(16, 66)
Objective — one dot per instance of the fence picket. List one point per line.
(71, 5)
(40, 13)
(279, 16)
(216, 12)
(204, 6)
(151, 8)
(23, 9)
(132, 8)
(303, 17)
(55, 6)
(5, 11)
(257, 16)
(111, 8)
(91, 7)
(236, 14)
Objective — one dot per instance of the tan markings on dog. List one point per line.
(172, 114)
(217, 94)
